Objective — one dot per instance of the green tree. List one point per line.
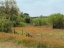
(27, 17)
(56, 20)
(11, 7)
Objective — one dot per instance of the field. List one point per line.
(52, 38)
(22, 29)
(42, 32)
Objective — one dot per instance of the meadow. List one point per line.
(21, 30)
(42, 37)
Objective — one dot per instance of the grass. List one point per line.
(43, 37)
(45, 34)
(17, 39)
(32, 42)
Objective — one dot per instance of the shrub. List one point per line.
(14, 23)
(20, 21)
(22, 24)
(39, 21)
(56, 20)
(5, 25)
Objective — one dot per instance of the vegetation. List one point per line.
(56, 20)
(5, 25)
(10, 16)
(40, 21)
(31, 36)
(9, 11)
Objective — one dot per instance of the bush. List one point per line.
(22, 24)
(56, 20)
(39, 21)
(19, 21)
(14, 23)
(27, 19)
(5, 25)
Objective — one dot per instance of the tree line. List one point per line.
(56, 20)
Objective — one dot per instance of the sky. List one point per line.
(41, 7)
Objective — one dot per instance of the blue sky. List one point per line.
(41, 7)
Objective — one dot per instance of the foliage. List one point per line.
(56, 20)
(39, 21)
(5, 25)
(10, 14)
(22, 24)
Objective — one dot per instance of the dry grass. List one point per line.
(43, 35)
(49, 35)
(10, 45)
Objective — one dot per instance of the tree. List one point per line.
(22, 15)
(9, 7)
(27, 17)
(56, 20)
